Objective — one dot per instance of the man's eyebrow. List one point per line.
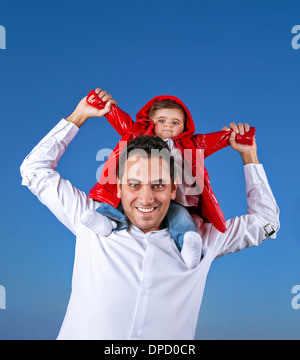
(133, 180)
(160, 181)
(157, 181)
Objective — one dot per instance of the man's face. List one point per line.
(168, 123)
(146, 191)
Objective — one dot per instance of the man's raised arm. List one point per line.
(39, 174)
(262, 219)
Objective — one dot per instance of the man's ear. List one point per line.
(119, 188)
(174, 189)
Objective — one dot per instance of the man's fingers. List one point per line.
(234, 127)
(102, 94)
(241, 128)
(108, 105)
(106, 97)
(113, 101)
(232, 139)
(225, 128)
(107, 108)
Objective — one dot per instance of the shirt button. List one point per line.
(143, 292)
(134, 334)
(148, 258)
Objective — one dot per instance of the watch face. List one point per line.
(269, 230)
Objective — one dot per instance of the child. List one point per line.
(168, 118)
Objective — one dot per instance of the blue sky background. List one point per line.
(228, 61)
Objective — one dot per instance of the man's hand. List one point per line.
(248, 153)
(84, 111)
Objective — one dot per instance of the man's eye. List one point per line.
(132, 185)
(158, 186)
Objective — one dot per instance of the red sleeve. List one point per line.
(119, 119)
(218, 140)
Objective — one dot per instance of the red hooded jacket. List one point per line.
(208, 207)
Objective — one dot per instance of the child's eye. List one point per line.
(161, 121)
(175, 123)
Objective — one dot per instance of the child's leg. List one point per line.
(99, 224)
(100, 221)
(180, 222)
(184, 232)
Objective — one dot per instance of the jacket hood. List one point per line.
(142, 115)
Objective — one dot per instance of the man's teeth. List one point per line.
(146, 210)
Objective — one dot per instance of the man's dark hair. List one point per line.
(149, 145)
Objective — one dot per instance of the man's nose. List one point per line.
(146, 195)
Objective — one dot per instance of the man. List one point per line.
(133, 283)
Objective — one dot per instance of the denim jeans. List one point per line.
(178, 220)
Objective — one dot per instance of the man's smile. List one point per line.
(143, 211)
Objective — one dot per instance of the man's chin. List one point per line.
(152, 228)
(146, 224)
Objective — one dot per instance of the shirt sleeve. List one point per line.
(259, 223)
(39, 174)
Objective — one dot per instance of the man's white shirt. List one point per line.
(131, 285)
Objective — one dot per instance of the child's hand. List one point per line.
(84, 111)
(247, 152)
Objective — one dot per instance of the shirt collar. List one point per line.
(151, 235)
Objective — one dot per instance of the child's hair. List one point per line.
(165, 104)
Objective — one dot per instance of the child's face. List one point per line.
(168, 123)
